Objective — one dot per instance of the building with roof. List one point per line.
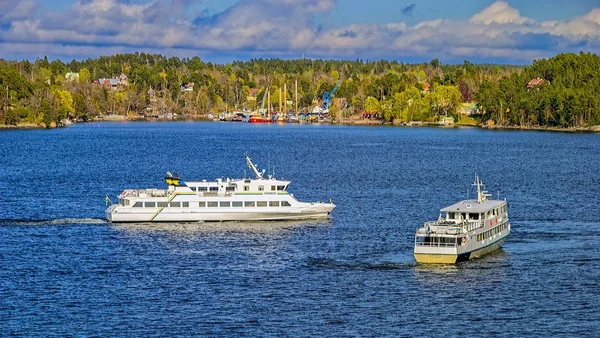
(535, 83)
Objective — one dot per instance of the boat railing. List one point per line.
(466, 225)
(436, 244)
(145, 193)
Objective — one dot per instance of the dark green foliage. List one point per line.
(11, 117)
(567, 97)
(11, 78)
(80, 107)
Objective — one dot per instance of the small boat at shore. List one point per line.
(463, 231)
(257, 118)
(246, 199)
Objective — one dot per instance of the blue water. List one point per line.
(65, 272)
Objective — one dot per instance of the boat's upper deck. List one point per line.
(245, 185)
(474, 206)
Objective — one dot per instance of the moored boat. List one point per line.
(257, 118)
(465, 230)
(246, 199)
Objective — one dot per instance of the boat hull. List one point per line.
(440, 258)
(315, 211)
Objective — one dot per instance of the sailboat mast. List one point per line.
(284, 99)
(296, 96)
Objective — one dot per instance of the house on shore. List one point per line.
(187, 87)
(116, 82)
(535, 83)
(72, 77)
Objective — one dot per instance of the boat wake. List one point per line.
(55, 221)
(327, 263)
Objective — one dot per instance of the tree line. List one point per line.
(39, 92)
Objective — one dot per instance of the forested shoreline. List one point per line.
(560, 92)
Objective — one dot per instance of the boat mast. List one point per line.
(284, 99)
(258, 174)
(482, 195)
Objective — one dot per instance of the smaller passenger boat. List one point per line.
(463, 231)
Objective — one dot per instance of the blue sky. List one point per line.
(226, 30)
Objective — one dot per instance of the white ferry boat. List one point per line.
(463, 231)
(257, 199)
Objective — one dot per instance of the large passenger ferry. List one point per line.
(246, 199)
(463, 231)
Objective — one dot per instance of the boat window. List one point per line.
(150, 205)
(261, 203)
(185, 204)
(463, 215)
(236, 204)
(285, 204)
(229, 188)
(273, 203)
(162, 204)
(261, 188)
(281, 187)
(451, 215)
(246, 181)
(202, 188)
(138, 205)
(473, 216)
(246, 188)
(175, 204)
(212, 204)
(273, 188)
(250, 204)
(193, 188)
(225, 204)
(202, 204)
(214, 189)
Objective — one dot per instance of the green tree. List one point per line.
(85, 76)
(80, 107)
(47, 113)
(63, 103)
(11, 117)
(372, 105)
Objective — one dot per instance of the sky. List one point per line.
(480, 31)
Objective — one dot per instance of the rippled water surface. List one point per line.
(64, 271)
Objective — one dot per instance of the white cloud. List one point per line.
(499, 12)
(282, 28)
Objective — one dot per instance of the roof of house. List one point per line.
(535, 82)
